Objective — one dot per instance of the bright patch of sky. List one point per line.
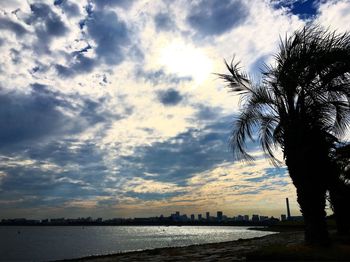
(111, 108)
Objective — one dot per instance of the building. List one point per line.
(255, 218)
(219, 216)
(192, 217)
(264, 218)
(283, 217)
(199, 216)
(246, 218)
(288, 210)
(239, 218)
(207, 216)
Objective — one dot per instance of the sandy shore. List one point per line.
(225, 251)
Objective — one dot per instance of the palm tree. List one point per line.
(339, 193)
(302, 104)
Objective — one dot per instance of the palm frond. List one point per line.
(237, 81)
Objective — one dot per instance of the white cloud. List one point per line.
(335, 15)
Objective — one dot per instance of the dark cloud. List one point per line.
(80, 174)
(159, 76)
(69, 8)
(170, 97)
(41, 126)
(33, 181)
(79, 64)
(215, 17)
(44, 16)
(7, 24)
(109, 3)
(153, 195)
(44, 115)
(15, 56)
(182, 156)
(47, 25)
(164, 22)
(110, 35)
(206, 113)
(31, 117)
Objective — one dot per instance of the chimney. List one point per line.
(288, 210)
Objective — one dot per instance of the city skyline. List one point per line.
(205, 215)
(112, 108)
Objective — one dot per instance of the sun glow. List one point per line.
(186, 61)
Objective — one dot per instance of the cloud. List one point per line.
(182, 156)
(110, 35)
(47, 25)
(170, 97)
(43, 115)
(334, 15)
(159, 76)
(111, 3)
(68, 7)
(164, 22)
(47, 22)
(28, 118)
(211, 18)
(7, 24)
(79, 64)
(12, 5)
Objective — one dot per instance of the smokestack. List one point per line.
(288, 210)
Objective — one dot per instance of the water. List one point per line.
(53, 243)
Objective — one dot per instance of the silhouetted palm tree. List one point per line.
(302, 105)
(339, 193)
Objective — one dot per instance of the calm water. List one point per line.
(52, 243)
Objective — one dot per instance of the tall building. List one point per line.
(192, 217)
(219, 215)
(207, 216)
(263, 218)
(288, 210)
(199, 216)
(255, 218)
(240, 218)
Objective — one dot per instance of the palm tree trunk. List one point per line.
(310, 181)
(311, 199)
(340, 198)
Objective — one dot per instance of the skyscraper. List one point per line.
(288, 210)
(219, 215)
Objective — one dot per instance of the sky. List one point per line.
(111, 108)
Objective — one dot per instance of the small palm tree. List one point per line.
(302, 105)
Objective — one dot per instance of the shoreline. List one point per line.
(287, 245)
(236, 250)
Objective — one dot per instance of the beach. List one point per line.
(286, 246)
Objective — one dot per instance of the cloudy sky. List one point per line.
(110, 107)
